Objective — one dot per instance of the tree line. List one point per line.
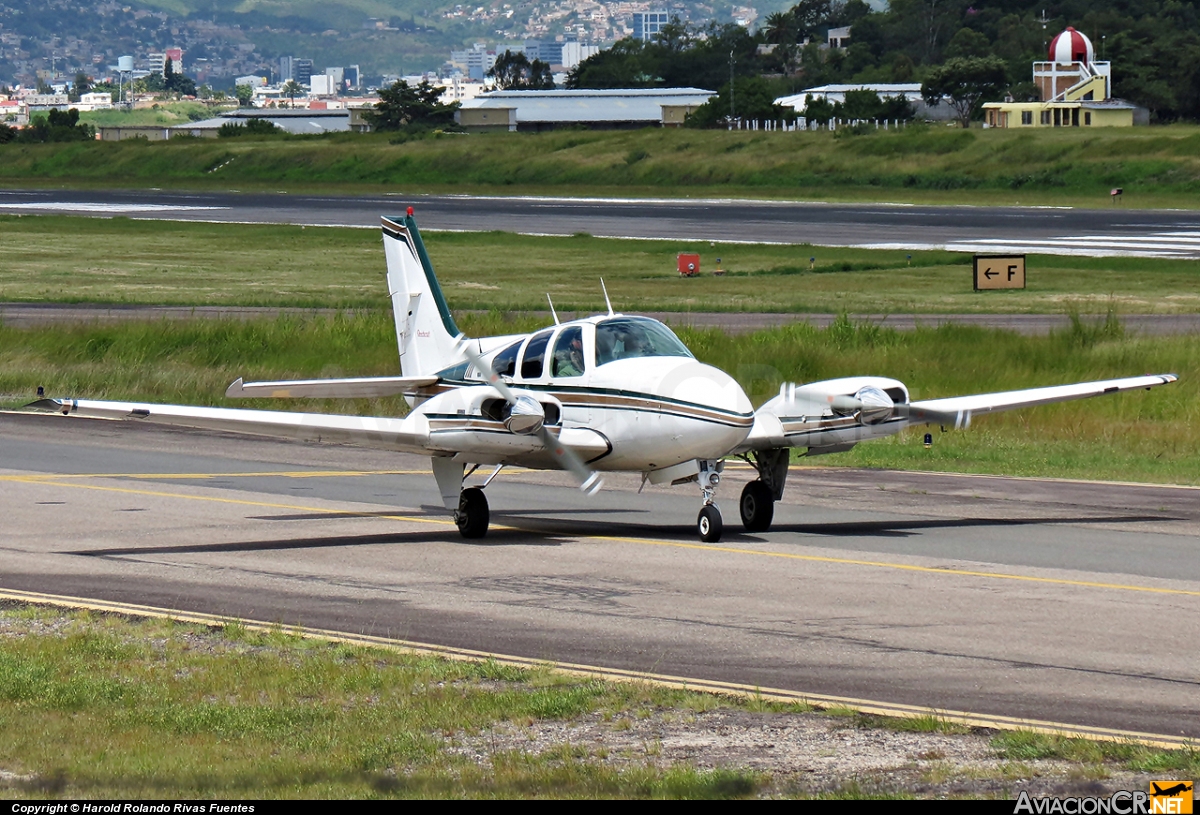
(1153, 45)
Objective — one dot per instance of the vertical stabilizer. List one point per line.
(425, 330)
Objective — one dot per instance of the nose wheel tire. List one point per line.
(757, 507)
(709, 524)
(472, 514)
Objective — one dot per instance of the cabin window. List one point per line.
(1027, 117)
(1045, 117)
(534, 359)
(505, 363)
(1087, 117)
(567, 359)
(627, 337)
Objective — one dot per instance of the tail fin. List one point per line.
(425, 330)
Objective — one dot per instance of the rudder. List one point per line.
(425, 330)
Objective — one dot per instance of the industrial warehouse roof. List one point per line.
(568, 106)
(293, 121)
(837, 93)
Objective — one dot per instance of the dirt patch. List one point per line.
(803, 753)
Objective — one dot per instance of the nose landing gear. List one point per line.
(709, 524)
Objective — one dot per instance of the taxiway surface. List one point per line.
(1046, 600)
(1046, 230)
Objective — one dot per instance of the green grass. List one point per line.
(1141, 436)
(1024, 745)
(1157, 166)
(103, 707)
(165, 113)
(62, 259)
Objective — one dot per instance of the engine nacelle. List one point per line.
(871, 399)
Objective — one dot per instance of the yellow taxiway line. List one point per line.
(47, 480)
(820, 701)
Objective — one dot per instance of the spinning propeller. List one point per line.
(526, 417)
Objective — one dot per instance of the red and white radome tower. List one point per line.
(1071, 46)
(1072, 62)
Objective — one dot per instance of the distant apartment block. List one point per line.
(648, 24)
(300, 70)
(574, 53)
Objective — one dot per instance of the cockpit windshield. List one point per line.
(626, 337)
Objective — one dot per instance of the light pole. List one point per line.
(732, 107)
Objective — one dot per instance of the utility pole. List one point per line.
(732, 107)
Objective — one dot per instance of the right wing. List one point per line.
(477, 438)
(408, 435)
(330, 388)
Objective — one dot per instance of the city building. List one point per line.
(574, 53)
(614, 109)
(648, 24)
(839, 37)
(1075, 89)
(292, 121)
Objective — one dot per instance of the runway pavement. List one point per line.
(1047, 600)
(1047, 230)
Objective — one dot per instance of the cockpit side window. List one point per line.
(534, 359)
(627, 337)
(505, 363)
(568, 353)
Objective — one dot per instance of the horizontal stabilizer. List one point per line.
(365, 387)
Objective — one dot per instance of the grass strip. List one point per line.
(123, 261)
(105, 706)
(1143, 436)
(1157, 166)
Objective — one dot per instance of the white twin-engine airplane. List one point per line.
(605, 393)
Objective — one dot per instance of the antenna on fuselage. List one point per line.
(607, 302)
(553, 313)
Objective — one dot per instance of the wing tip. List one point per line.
(235, 389)
(63, 406)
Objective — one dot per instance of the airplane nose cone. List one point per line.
(699, 384)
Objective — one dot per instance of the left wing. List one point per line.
(833, 416)
(959, 409)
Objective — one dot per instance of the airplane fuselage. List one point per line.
(629, 392)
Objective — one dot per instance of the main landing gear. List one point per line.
(757, 507)
(472, 513)
(757, 504)
(470, 505)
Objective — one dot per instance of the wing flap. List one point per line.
(364, 387)
(409, 435)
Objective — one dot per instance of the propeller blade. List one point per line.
(589, 480)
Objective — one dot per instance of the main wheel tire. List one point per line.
(757, 507)
(709, 524)
(472, 515)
